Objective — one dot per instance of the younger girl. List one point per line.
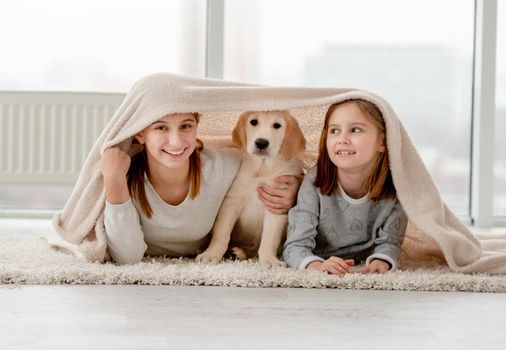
(164, 200)
(347, 211)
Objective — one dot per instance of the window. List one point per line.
(418, 55)
(92, 45)
(500, 121)
(95, 45)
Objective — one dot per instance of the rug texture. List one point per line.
(28, 259)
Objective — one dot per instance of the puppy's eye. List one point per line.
(276, 125)
(253, 122)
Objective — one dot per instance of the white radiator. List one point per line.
(45, 137)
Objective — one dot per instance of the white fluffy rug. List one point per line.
(26, 258)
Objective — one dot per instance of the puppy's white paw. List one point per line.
(271, 261)
(209, 257)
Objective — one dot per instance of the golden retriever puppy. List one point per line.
(271, 143)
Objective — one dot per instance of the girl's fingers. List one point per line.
(277, 211)
(347, 262)
(273, 204)
(285, 179)
(342, 270)
(271, 191)
(334, 259)
(331, 270)
(364, 269)
(274, 193)
(373, 269)
(265, 197)
(381, 269)
(334, 268)
(289, 180)
(279, 200)
(341, 265)
(339, 273)
(276, 198)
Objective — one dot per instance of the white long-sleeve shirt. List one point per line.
(173, 230)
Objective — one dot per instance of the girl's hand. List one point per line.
(279, 199)
(376, 266)
(115, 163)
(333, 265)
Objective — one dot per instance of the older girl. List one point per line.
(165, 199)
(347, 211)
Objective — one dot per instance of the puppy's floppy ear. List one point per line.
(239, 132)
(294, 141)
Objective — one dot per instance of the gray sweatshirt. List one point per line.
(173, 230)
(337, 225)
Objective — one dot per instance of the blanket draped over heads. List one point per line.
(434, 230)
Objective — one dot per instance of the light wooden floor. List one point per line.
(164, 317)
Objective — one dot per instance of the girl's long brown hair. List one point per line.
(379, 184)
(139, 167)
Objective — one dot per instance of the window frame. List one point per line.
(483, 116)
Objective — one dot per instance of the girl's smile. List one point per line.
(174, 153)
(353, 142)
(170, 141)
(345, 153)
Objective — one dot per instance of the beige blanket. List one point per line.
(434, 230)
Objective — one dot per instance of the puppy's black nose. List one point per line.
(261, 143)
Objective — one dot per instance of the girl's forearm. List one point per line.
(116, 190)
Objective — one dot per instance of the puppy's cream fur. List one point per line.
(243, 222)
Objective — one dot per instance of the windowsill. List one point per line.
(27, 213)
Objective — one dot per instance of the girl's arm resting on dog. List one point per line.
(125, 239)
(279, 200)
(303, 220)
